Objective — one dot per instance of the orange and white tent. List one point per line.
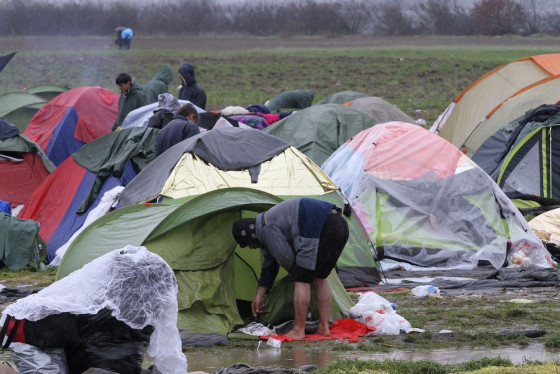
(546, 91)
(466, 111)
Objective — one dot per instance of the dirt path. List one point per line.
(228, 43)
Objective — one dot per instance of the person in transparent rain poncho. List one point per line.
(136, 286)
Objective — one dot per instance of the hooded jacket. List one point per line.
(158, 84)
(133, 99)
(175, 132)
(190, 90)
(289, 234)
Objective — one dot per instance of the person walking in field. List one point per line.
(306, 237)
(126, 38)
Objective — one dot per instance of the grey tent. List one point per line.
(380, 109)
(341, 97)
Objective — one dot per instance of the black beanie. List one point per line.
(243, 231)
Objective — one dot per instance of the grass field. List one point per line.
(417, 74)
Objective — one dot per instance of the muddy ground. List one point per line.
(228, 43)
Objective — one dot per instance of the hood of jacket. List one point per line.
(187, 72)
(165, 74)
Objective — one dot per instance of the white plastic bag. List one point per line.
(425, 290)
(370, 301)
(376, 311)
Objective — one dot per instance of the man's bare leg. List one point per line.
(302, 295)
(323, 294)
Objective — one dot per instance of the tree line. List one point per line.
(285, 18)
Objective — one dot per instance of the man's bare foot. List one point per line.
(297, 335)
(323, 331)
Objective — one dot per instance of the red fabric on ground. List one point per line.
(346, 328)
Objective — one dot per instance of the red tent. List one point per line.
(72, 119)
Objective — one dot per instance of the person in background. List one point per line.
(190, 89)
(126, 38)
(167, 106)
(131, 98)
(158, 84)
(306, 237)
(182, 127)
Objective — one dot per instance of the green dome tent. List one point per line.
(47, 92)
(19, 107)
(195, 239)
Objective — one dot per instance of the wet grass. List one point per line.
(420, 80)
(486, 365)
(28, 277)
(474, 321)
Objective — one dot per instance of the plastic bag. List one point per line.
(372, 302)
(376, 311)
(108, 344)
(425, 290)
(32, 360)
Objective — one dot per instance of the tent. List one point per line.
(379, 109)
(23, 165)
(237, 157)
(47, 92)
(75, 190)
(4, 60)
(19, 107)
(423, 201)
(19, 244)
(547, 226)
(523, 158)
(72, 119)
(460, 118)
(195, 239)
(546, 91)
(319, 130)
(341, 97)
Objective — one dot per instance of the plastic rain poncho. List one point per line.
(138, 287)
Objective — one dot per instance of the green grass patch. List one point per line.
(420, 80)
(485, 365)
(27, 276)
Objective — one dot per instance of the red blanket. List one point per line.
(346, 328)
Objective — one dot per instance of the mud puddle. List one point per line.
(299, 356)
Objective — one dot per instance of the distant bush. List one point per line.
(293, 17)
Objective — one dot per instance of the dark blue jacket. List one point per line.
(175, 132)
(190, 90)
